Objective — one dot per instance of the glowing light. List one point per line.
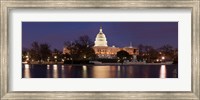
(84, 56)
(163, 57)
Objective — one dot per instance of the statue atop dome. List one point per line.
(101, 30)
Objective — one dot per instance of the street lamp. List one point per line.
(163, 58)
(27, 58)
(48, 59)
(55, 57)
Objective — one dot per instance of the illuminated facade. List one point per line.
(102, 50)
(101, 39)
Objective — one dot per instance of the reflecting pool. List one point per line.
(92, 71)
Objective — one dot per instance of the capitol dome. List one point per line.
(100, 39)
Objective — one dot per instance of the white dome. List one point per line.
(100, 39)
(100, 35)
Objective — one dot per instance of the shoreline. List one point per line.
(102, 64)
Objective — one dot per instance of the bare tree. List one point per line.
(40, 52)
(81, 48)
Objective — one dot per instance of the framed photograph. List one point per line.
(100, 49)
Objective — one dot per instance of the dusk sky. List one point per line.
(119, 34)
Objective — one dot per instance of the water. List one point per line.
(91, 71)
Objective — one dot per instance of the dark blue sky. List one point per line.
(119, 34)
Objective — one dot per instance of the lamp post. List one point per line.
(55, 57)
(84, 56)
(48, 59)
(72, 60)
(27, 58)
(163, 58)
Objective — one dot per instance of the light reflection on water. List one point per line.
(85, 71)
(55, 71)
(48, 66)
(63, 71)
(27, 73)
(48, 71)
(118, 71)
(48, 74)
(163, 71)
(101, 71)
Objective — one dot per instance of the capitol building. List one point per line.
(102, 50)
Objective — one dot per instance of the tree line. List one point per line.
(150, 54)
(82, 49)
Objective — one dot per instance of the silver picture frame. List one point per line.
(8, 5)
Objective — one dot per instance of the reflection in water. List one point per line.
(48, 66)
(27, 73)
(55, 71)
(146, 72)
(113, 72)
(163, 71)
(123, 72)
(130, 72)
(68, 71)
(76, 71)
(175, 73)
(48, 71)
(118, 71)
(63, 71)
(101, 71)
(90, 71)
(84, 71)
(63, 67)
